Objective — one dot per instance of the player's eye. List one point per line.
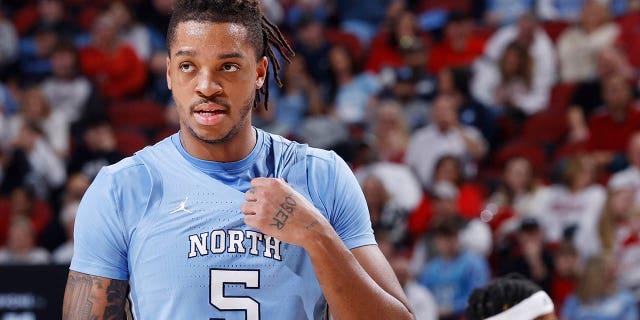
(230, 67)
(186, 67)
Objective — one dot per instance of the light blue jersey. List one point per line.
(171, 225)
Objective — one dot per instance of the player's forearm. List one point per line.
(93, 297)
(349, 290)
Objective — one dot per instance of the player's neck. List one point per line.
(237, 148)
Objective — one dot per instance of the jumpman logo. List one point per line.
(182, 207)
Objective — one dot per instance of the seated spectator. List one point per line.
(351, 90)
(570, 210)
(567, 267)
(113, 66)
(64, 252)
(578, 46)
(513, 197)
(451, 169)
(510, 297)
(421, 300)
(528, 32)
(299, 94)
(454, 273)
(8, 46)
(629, 178)
(35, 162)
(525, 253)
(66, 90)
(361, 17)
(22, 203)
(445, 135)
(132, 32)
(588, 95)
(21, 246)
(597, 296)
(385, 212)
(311, 44)
(510, 86)
(459, 46)
(457, 83)
(390, 131)
(35, 110)
(35, 55)
(611, 127)
(388, 47)
(505, 12)
(97, 149)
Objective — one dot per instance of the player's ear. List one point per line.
(168, 73)
(261, 72)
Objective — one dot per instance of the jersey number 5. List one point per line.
(250, 279)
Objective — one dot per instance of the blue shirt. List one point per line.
(620, 306)
(170, 224)
(452, 281)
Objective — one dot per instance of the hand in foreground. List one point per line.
(276, 209)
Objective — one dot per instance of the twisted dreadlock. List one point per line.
(263, 35)
(498, 296)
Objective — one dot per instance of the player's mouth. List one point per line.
(209, 115)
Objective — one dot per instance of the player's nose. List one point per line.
(207, 85)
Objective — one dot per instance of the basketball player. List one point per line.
(223, 220)
(510, 298)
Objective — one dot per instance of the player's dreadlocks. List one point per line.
(261, 32)
(498, 296)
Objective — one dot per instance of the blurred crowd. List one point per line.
(489, 137)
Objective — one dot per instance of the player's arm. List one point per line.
(93, 297)
(358, 283)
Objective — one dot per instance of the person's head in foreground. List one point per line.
(510, 298)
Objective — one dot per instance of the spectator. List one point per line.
(525, 253)
(36, 110)
(36, 162)
(98, 148)
(597, 297)
(629, 35)
(385, 212)
(528, 32)
(611, 127)
(66, 90)
(64, 253)
(588, 95)
(510, 86)
(421, 300)
(571, 209)
(113, 66)
(132, 32)
(21, 246)
(8, 46)
(454, 273)
(444, 136)
(513, 197)
(390, 131)
(450, 169)
(388, 47)
(567, 267)
(35, 55)
(459, 47)
(362, 17)
(457, 83)
(311, 44)
(578, 46)
(351, 90)
(22, 204)
(629, 178)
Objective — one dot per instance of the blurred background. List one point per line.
(489, 137)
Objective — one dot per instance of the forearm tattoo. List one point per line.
(286, 209)
(92, 297)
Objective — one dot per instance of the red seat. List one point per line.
(549, 126)
(142, 114)
(130, 141)
(561, 95)
(426, 5)
(554, 28)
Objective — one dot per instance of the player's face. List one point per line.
(213, 74)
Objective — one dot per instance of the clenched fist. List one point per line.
(276, 209)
